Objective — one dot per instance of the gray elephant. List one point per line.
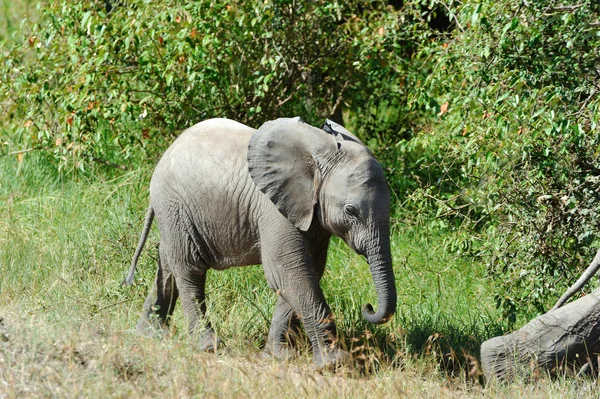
(225, 195)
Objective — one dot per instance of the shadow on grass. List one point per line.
(448, 343)
(453, 344)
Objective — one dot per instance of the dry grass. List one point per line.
(78, 360)
(38, 360)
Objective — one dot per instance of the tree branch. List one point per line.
(23, 151)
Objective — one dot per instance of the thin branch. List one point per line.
(567, 8)
(24, 151)
(107, 163)
(453, 16)
(339, 99)
(112, 305)
(585, 103)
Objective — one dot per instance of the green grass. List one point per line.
(12, 13)
(65, 246)
(66, 241)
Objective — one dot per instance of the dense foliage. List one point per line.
(484, 113)
(104, 86)
(518, 162)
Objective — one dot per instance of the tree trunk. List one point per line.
(567, 338)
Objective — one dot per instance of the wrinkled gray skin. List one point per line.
(587, 275)
(227, 195)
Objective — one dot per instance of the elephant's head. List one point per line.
(329, 176)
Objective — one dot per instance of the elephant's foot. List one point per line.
(208, 341)
(279, 351)
(331, 358)
(151, 328)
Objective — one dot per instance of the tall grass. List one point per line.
(65, 245)
(12, 14)
(69, 241)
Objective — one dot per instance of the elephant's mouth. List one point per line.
(354, 247)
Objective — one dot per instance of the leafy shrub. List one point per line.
(516, 97)
(95, 87)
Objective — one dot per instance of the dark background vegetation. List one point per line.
(484, 113)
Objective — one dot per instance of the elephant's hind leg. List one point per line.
(160, 302)
(191, 282)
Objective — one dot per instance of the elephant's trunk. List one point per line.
(380, 261)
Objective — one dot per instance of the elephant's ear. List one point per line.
(339, 132)
(282, 160)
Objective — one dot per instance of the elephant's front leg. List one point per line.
(290, 272)
(285, 328)
(159, 304)
(191, 282)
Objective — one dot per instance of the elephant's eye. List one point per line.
(350, 210)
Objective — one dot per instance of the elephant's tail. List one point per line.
(138, 250)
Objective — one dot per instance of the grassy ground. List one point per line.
(12, 13)
(65, 246)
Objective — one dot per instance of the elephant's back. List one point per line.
(214, 151)
(202, 180)
(214, 137)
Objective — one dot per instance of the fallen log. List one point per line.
(564, 339)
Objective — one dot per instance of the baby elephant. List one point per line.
(225, 195)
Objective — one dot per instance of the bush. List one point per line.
(94, 87)
(516, 97)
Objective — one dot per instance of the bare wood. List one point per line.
(563, 338)
(22, 151)
(567, 8)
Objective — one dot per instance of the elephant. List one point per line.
(225, 194)
(587, 275)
